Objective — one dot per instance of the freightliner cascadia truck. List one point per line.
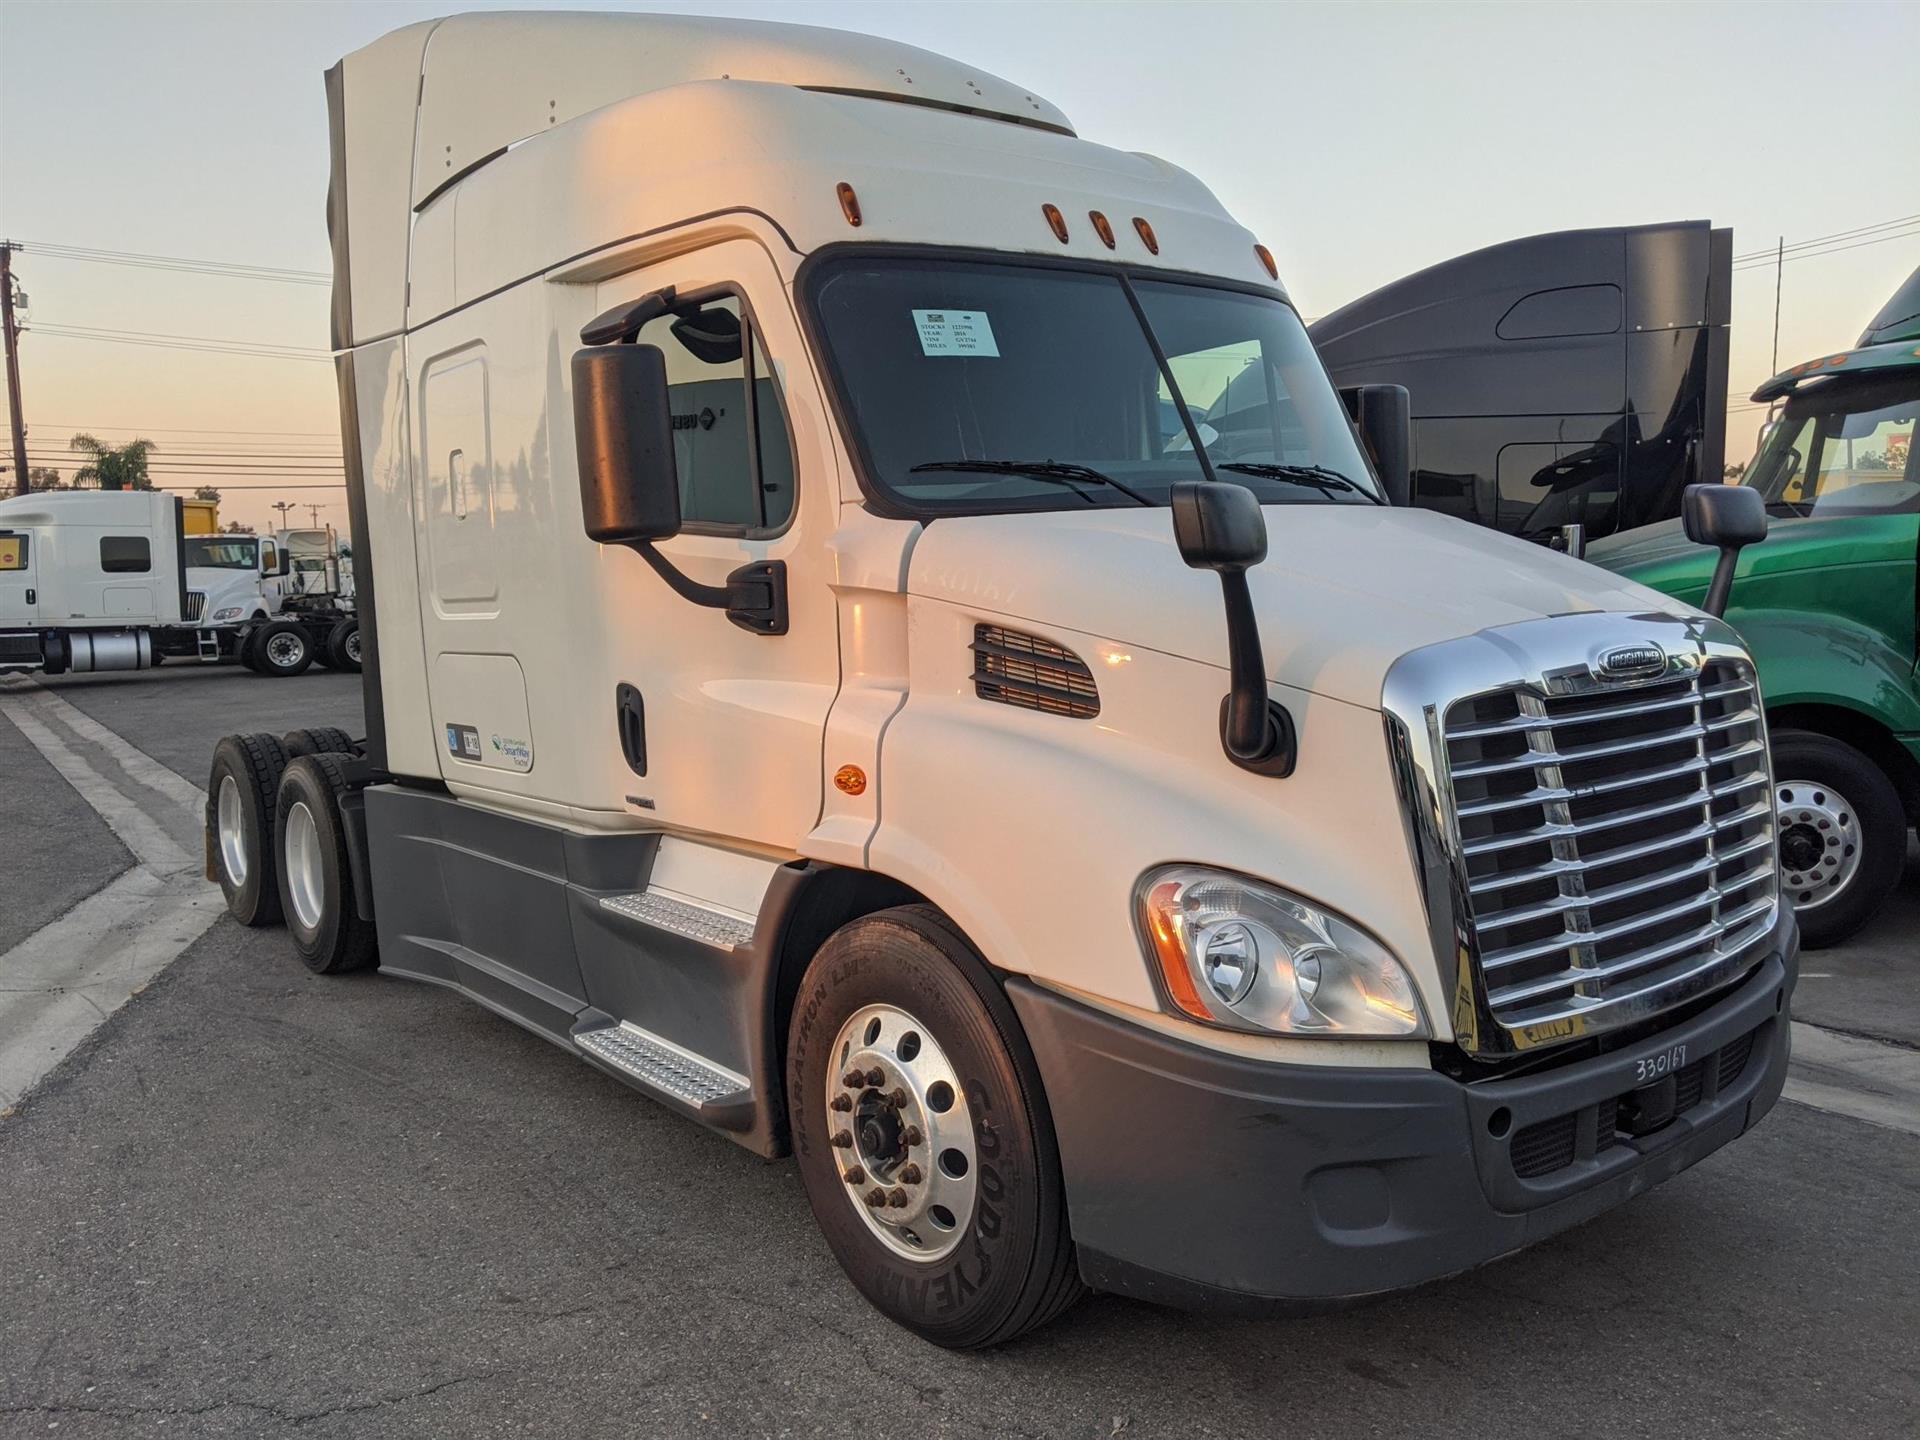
(833, 662)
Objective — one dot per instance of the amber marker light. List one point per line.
(850, 778)
(849, 203)
(1266, 259)
(1101, 228)
(1163, 925)
(1057, 221)
(1145, 232)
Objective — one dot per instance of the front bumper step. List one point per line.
(660, 1066)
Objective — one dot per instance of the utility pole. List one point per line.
(313, 515)
(1779, 265)
(12, 328)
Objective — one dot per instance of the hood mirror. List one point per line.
(1383, 417)
(1729, 518)
(1221, 527)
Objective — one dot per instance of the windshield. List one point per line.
(221, 553)
(1846, 450)
(1047, 379)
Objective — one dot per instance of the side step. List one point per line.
(717, 1095)
(718, 928)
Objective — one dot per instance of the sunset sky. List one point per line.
(1360, 142)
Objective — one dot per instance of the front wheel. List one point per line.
(922, 1134)
(282, 648)
(1843, 834)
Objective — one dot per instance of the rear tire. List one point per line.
(1005, 1266)
(317, 740)
(1843, 834)
(343, 646)
(316, 883)
(241, 802)
(282, 649)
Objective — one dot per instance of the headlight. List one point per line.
(231, 612)
(1238, 953)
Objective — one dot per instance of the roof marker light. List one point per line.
(849, 203)
(1057, 221)
(1266, 259)
(1146, 235)
(1101, 228)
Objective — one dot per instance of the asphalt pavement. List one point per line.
(253, 1201)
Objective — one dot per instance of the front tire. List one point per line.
(1843, 834)
(957, 1123)
(343, 646)
(282, 649)
(316, 883)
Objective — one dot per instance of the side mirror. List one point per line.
(269, 558)
(1728, 517)
(1220, 527)
(1383, 416)
(623, 437)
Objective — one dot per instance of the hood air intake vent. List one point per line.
(1035, 674)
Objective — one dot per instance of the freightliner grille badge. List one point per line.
(1630, 662)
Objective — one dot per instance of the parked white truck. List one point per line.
(793, 685)
(108, 580)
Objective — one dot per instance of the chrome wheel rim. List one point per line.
(1820, 843)
(306, 883)
(352, 646)
(284, 650)
(233, 832)
(900, 1132)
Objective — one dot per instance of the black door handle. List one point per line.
(630, 714)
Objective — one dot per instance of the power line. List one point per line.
(1768, 260)
(1836, 235)
(57, 332)
(180, 264)
(184, 430)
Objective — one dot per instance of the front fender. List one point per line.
(1811, 658)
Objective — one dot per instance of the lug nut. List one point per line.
(911, 1136)
(898, 1199)
(854, 1079)
(843, 1139)
(855, 1176)
(876, 1197)
(910, 1174)
(896, 1097)
(840, 1102)
(876, 1076)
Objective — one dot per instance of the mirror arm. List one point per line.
(1720, 590)
(1255, 730)
(754, 597)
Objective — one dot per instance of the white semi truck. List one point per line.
(783, 513)
(109, 580)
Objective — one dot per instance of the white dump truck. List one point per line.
(882, 636)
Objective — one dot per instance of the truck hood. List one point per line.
(1344, 592)
(224, 587)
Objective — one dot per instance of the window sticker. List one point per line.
(955, 332)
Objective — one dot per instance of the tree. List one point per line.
(234, 527)
(207, 492)
(114, 467)
(39, 477)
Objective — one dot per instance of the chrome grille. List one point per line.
(1614, 837)
(196, 604)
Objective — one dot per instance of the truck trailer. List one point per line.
(833, 664)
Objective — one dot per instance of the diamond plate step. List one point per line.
(662, 1065)
(682, 917)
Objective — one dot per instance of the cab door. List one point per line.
(705, 726)
(19, 589)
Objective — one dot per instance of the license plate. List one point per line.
(1658, 1065)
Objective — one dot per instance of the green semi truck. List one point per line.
(1828, 605)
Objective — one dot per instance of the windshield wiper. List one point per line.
(1055, 470)
(1319, 477)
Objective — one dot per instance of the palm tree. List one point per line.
(114, 467)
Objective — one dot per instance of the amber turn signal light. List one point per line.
(1170, 950)
(1057, 221)
(1145, 231)
(1101, 228)
(850, 778)
(849, 203)
(1266, 259)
